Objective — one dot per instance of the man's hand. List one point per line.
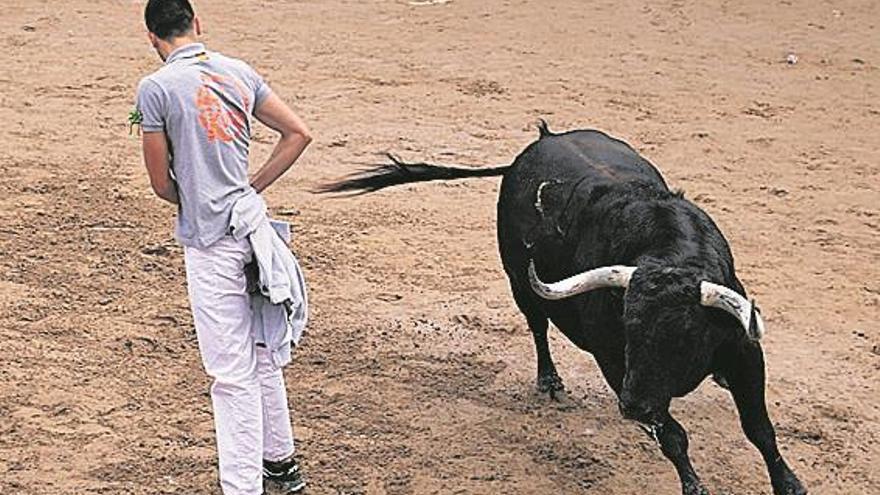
(158, 167)
(274, 113)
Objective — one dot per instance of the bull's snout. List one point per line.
(636, 409)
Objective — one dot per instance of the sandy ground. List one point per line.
(417, 372)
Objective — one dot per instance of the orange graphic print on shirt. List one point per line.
(221, 121)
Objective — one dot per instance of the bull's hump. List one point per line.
(583, 153)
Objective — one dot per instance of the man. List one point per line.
(196, 114)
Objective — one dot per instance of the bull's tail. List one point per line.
(398, 172)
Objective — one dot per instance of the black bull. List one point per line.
(580, 200)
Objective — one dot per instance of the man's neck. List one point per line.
(175, 43)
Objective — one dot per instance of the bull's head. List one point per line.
(669, 334)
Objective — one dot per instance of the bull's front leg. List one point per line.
(674, 444)
(746, 379)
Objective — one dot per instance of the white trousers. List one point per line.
(251, 417)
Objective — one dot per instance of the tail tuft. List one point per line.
(399, 172)
(371, 179)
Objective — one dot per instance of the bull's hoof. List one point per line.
(788, 485)
(694, 488)
(550, 384)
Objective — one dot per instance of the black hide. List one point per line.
(581, 200)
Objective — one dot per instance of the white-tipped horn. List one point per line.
(721, 297)
(606, 276)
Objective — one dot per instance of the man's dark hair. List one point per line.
(169, 19)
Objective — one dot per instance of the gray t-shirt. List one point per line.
(204, 102)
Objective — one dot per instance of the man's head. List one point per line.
(170, 23)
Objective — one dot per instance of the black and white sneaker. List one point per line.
(285, 475)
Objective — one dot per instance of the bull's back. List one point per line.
(556, 165)
(586, 154)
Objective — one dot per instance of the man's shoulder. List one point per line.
(174, 77)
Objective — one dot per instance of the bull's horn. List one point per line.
(606, 276)
(721, 297)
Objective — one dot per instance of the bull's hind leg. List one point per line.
(548, 380)
(746, 379)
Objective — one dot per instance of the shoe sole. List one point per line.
(287, 487)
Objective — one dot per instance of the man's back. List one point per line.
(204, 102)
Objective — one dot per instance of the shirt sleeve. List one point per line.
(151, 105)
(260, 87)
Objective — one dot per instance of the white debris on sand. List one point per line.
(424, 3)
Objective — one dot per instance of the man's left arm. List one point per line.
(151, 109)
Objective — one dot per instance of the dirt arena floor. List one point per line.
(417, 373)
